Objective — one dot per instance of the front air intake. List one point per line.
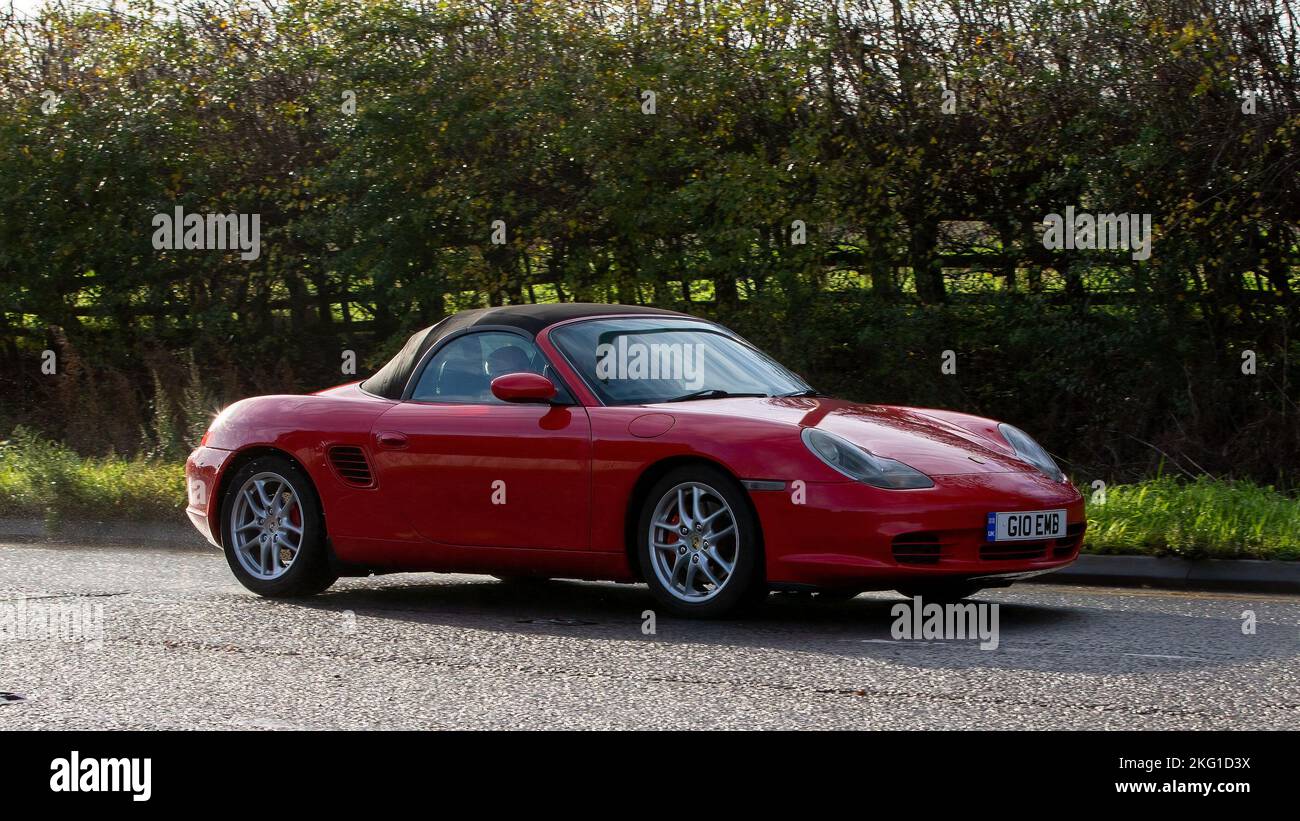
(1012, 551)
(917, 548)
(350, 464)
(1070, 542)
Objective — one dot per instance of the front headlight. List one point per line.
(1030, 451)
(856, 463)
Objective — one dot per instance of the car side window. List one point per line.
(461, 372)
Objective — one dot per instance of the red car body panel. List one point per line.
(439, 479)
(569, 475)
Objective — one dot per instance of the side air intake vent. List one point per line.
(350, 463)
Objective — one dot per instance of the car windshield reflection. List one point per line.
(639, 361)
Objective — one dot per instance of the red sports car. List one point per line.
(628, 444)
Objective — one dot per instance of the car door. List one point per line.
(466, 468)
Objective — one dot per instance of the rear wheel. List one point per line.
(273, 530)
(699, 546)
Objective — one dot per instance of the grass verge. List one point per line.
(43, 479)
(1207, 518)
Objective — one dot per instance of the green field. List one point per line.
(1160, 517)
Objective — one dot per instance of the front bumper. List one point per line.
(847, 533)
(202, 476)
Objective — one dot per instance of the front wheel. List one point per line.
(273, 530)
(699, 546)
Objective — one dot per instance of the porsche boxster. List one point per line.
(628, 444)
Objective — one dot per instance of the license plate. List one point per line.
(1026, 525)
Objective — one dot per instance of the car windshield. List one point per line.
(639, 361)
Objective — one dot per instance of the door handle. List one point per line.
(390, 439)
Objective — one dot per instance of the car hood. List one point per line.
(910, 435)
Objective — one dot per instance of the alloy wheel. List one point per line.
(694, 542)
(266, 525)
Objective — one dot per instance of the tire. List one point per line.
(693, 593)
(941, 592)
(277, 572)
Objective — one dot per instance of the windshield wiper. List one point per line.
(809, 392)
(711, 393)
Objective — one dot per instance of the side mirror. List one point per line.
(523, 387)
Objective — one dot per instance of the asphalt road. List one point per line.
(183, 646)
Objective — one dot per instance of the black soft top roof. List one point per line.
(390, 380)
